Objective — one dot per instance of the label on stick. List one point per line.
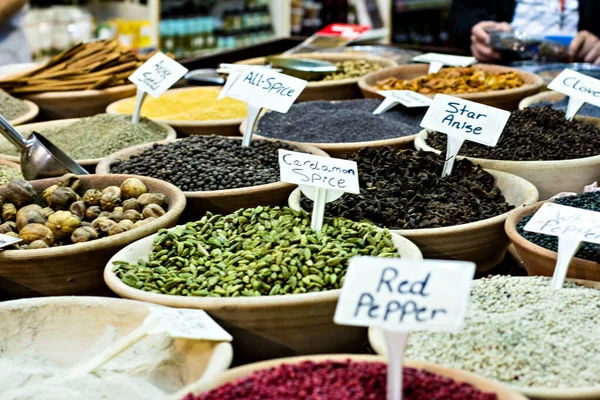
(6, 240)
(445, 59)
(566, 222)
(158, 74)
(189, 324)
(266, 89)
(317, 171)
(577, 85)
(465, 119)
(401, 295)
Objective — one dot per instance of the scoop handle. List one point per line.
(10, 133)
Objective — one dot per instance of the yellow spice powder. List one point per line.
(197, 104)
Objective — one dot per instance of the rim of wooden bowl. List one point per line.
(176, 207)
(531, 196)
(367, 82)
(79, 94)
(334, 57)
(421, 144)
(212, 303)
(483, 384)
(31, 113)
(550, 96)
(112, 109)
(348, 147)
(88, 162)
(104, 168)
(532, 392)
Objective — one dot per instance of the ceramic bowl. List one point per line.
(343, 89)
(550, 96)
(221, 201)
(32, 112)
(506, 99)
(538, 260)
(88, 164)
(235, 374)
(377, 341)
(70, 330)
(550, 177)
(76, 269)
(483, 242)
(267, 326)
(224, 127)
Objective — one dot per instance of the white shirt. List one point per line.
(542, 17)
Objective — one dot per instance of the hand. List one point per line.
(480, 40)
(585, 47)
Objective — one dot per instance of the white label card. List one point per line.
(407, 98)
(401, 295)
(323, 172)
(158, 74)
(438, 60)
(566, 222)
(188, 324)
(6, 240)
(579, 87)
(266, 89)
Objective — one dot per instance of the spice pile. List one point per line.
(587, 109)
(340, 122)
(455, 81)
(346, 380)
(350, 69)
(403, 189)
(66, 218)
(10, 107)
(587, 251)
(202, 163)
(86, 66)
(7, 174)
(534, 134)
(197, 104)
(262, 251)
(521, 332)
(97, 136)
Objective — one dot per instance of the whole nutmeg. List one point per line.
(32, 232)
(153, 198)
(110, 199)
(9, 227)
(103, 225)
(132, 215)
(126, 224)
(70, 180)
(132, 188)
(78, 209)
(114, 190)
(38, 244)
(62, 198)
(153, 210)
(132, 204)
(140, 223)
(9, 212)
(84, 234)
(12, 234)
(116, 215)
(85, 223)
(104, 214)
(48, 192)
(115, 230)
(19, 192)
(92, 213)
(63, 224)
(47, 211)
(92, 197)
(29, 215)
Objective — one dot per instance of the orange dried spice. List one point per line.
(455, 81)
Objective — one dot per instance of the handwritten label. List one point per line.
(575, 84)
(465, 119)
(405, 295)
(158, 74)
(438, 60)
(407, 98)
(566, 222)
(267, 89)
(188, 324)
(317, 171)
(6, 240)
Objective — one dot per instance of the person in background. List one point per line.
(13, 43)
(472, 19)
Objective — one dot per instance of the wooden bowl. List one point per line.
(223, 127)
(343, 89)
(550, 96)
(550, 177)
(235, 374)
(30, 115)
(76, 269)
(90, 163)
(377, 341)
(506, 99)
(541, 261)
(221, 201)
(79, 103)
(483, 242)
(339, 149)
(267, 326)
(70, 330)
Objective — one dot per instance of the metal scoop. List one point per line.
(303, 68)
(39, 157)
